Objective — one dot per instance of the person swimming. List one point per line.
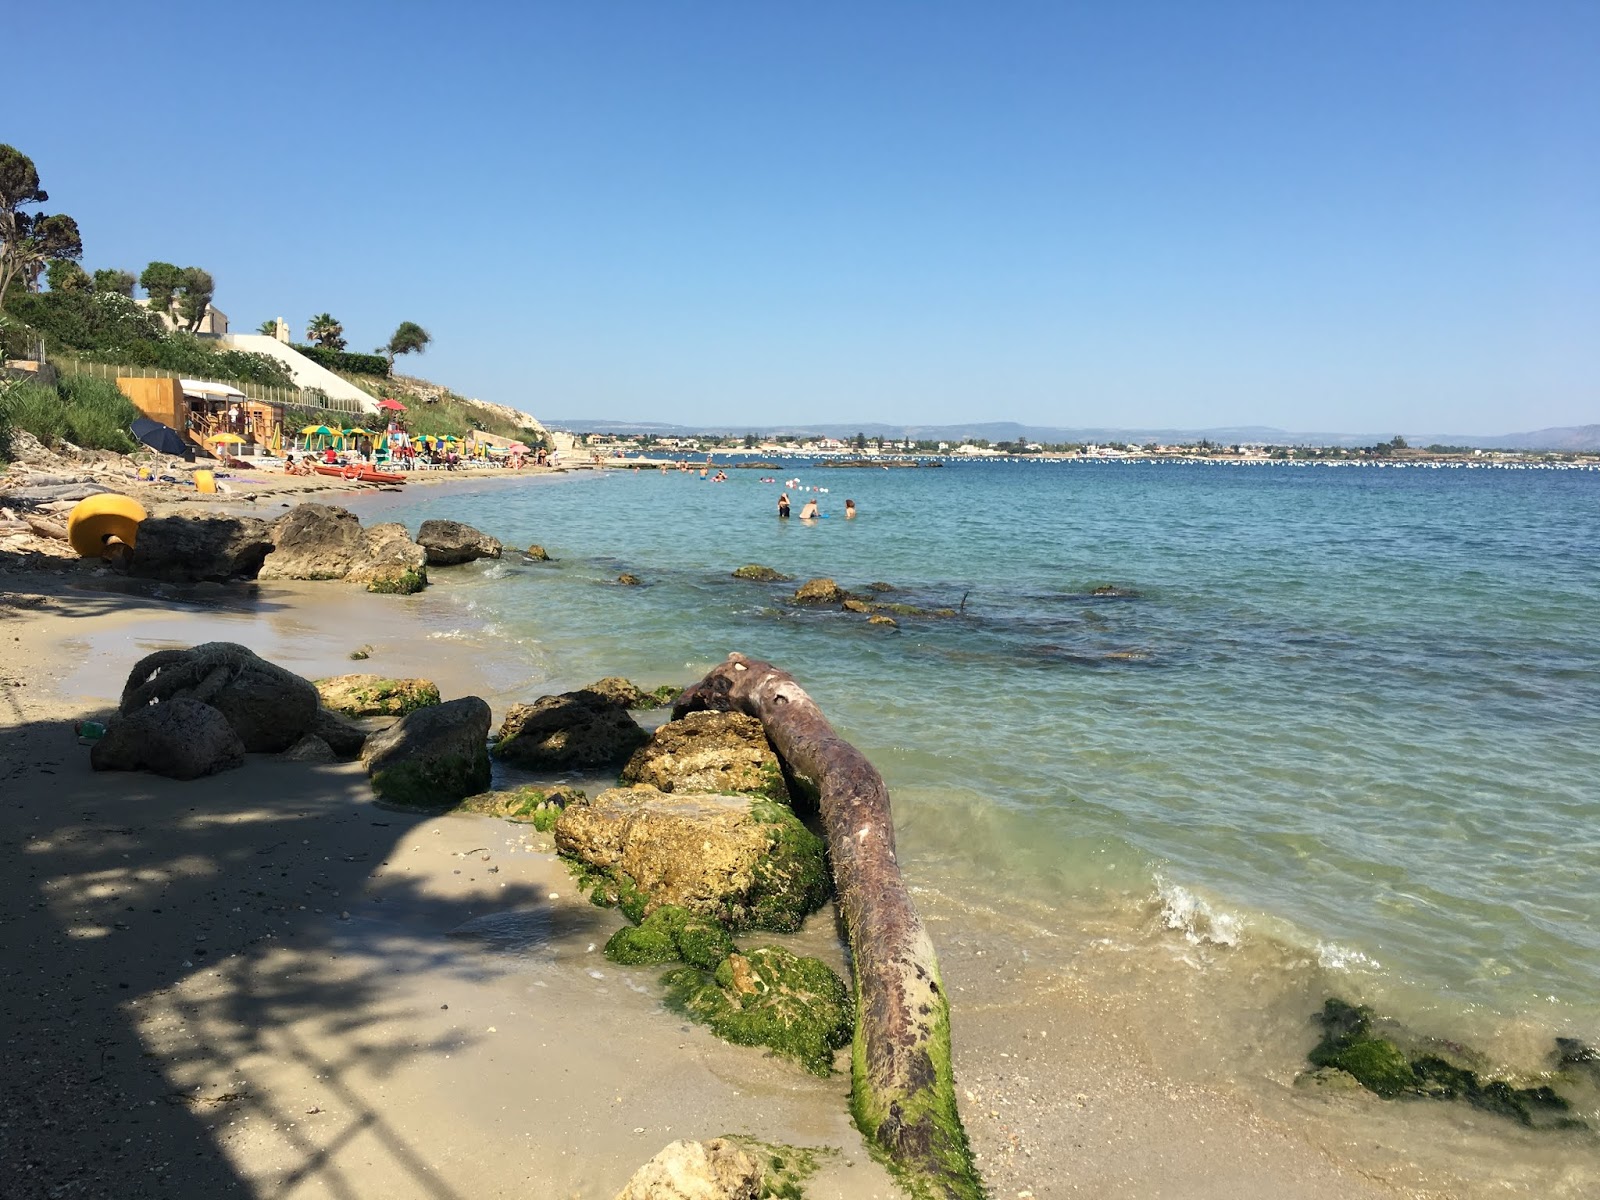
(809, 512)
(849, 509)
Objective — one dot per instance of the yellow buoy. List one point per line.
(99, 523)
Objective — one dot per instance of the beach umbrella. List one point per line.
(391, 405)
(358, 432)
(319, 431)
(231, 438)
(450, 437)
(163, 439)
(517, 448)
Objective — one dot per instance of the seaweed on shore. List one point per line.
(1350, 1044)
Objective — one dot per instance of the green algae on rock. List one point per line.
(761, 574)
(784, 1168)
(376, 695)
(525, 805)
(1381, 1066)
(796, 1007)
(671, 934)
(727, 753)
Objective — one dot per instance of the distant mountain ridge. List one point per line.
(1572, 438)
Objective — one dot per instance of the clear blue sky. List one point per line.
(1365, 217)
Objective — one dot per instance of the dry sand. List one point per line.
(262, 984)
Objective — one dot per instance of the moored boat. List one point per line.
(358, 474)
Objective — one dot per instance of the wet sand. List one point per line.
(263, 984)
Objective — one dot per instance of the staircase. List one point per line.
(306, 373)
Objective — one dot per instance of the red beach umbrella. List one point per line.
(391, 405)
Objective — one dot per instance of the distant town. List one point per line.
(1395, 451)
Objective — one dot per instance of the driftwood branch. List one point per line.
(902, 1088)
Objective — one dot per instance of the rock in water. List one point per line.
(714, 1170)
(761, 574)
(432, 757)
(574, 729)
(819, 591)
(376, 695)
(267, 706)
(538, 553)
(196, 549)
(180, 738)
(745, 862)
(709, 752)
(450, 542)
(627, 694)
(389, 561)
(313, 541)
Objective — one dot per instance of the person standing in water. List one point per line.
(849, 509)
(809, 512)
(783, 505)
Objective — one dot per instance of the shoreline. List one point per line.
(1062, 1093)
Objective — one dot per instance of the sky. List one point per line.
(1353, 217)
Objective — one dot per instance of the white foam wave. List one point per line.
(1184, 912)
(1334, 957)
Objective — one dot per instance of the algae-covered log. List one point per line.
(902, 1087)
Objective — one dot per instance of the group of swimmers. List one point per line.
(810, 511)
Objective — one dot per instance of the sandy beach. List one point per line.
(261, 983)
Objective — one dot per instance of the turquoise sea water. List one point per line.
(1349, 713)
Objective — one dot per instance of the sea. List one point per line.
(1300, 730)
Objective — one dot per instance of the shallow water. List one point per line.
(1343, 730)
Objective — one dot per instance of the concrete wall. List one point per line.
(159, 399)
(307, 374)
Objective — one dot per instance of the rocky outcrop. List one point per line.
(714, 1170)
(433, 757)
(268, 707)
(450, 542)
(389, 561)
(201, 549)
(342, 737)
(376, 695)
(761, 574)
(709, 752)
(320, 541)
(313, 541)
(819, 591)
(574, 729)
(180, 738)
(744, 862)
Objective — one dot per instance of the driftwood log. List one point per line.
(902, 1088)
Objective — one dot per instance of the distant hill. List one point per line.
(1569, 438)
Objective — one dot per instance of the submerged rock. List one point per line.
(796, 1007)
(448, 543)
(180, 738)
(376, 695)
(627, 580)
(433, 757)
(574, 729)
(709, 752)
(537, 553)
(761, 574)
(819, 591)
(745, 862)
(671, 934)
(714, 1170)
(626, 694)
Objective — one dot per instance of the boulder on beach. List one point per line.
(450, 542)
(310, 749)
(313, 541)
(714, 1170)
(268, 707)
(342, 737)
(820, 591)
(376, 695)
(433, 757)
(203, 548)
(761, 574)
(181, 738)
(389, 561)
(746, 862)
(574, 729)
(709, 752)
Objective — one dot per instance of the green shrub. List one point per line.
(84, 320)
(344, 360)
(97, 414)
(38, 410)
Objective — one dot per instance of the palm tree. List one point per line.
(268, 327)
(326, 332)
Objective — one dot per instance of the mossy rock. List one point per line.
(376, 695)
(399, 583)
(538, 553)
(761, 574)
(784, 1169)
(624, 693)
(796, 1007)
(432, 783)
(671, 934)
(526, 806)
